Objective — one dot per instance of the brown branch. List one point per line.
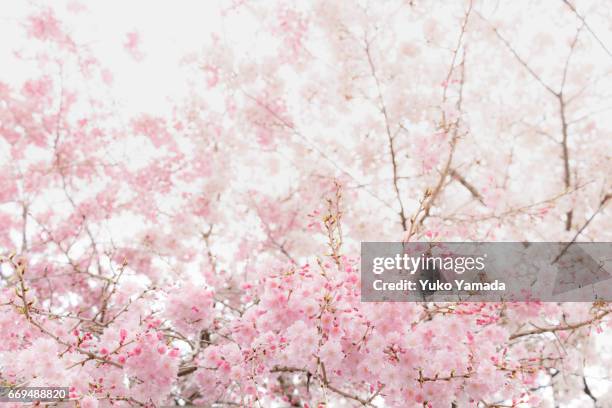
(452, 376)
(20, 270)
(311, 144)
(521, 60)
(602, 204)
(469, 186)
(587, 390)
(432, 194)
(333, 225)
(542, 330)
(562, 107)
(187, 370)
(206, 237)
(24, 228)
(566, 167)
(390, 139)
(325, 383)
(562, 113)
(588, 27)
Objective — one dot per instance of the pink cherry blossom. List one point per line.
(184, 229)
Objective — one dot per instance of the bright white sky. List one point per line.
(168, 31)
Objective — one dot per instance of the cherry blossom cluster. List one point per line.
(209, 255)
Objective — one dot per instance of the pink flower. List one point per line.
(132, 45)
(45, 26)
(89, 402)
(122, 335)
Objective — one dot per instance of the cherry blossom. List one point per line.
(208, 253)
